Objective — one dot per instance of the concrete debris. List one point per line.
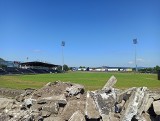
(77, 116)
(125, 94)
(148, 105)
(75, 89)
(135, 101)
(91, 111)
(105, 100)
(156, 107)
(10, 92)
(4, 102)
(155, 96)
(112, 117)
(146, 116)
(27, 103)
(143, 104)
(119, 106)
(71, 107)
(61, 99)
(64, 101)
(110, 83)
(53, 108)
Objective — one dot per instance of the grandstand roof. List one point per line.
(36, 63)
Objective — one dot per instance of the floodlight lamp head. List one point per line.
(135, 41)
(63, 43)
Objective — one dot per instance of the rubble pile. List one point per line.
(64, 101)
(10, 92)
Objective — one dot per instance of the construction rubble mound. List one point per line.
(65, 101)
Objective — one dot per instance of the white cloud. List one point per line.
(130, 62)
(37, 51)
(140, 59)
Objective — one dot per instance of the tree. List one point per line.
(82, 67)
(156, 69)
(65, 67)
(150, 70)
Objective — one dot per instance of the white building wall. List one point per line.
(113, 69)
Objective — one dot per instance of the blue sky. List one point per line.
(96, 32)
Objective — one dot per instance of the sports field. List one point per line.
(91, 80)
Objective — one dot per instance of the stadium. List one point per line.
(35, 67)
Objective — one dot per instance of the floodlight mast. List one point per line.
(62, 44)
(135, 42)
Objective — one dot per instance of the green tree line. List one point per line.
(150, 70)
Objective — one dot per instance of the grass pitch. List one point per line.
(91, 80)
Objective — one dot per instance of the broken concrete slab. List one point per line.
(53, 107)
(71, 107)
(156, 107)
(143, 104)
(61, 99)
(148, 104)
(146, 116)
(125, 94)
(52, 119)
(134, 104)
(91, 111)
(155, 96)
(110, 83)
(75, 89)
(77, 116)
(105, 100)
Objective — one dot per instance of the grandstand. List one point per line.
(29, 68)
(11, 70)
(2, 72)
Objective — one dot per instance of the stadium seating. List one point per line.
(13, 70)
(53, 71)
(25, 71)
(2, 72)
(38, 71)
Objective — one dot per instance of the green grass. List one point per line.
(91, 80)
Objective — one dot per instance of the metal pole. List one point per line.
(62, 59)
(135, 42)
(62, 44)
(135, 59)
